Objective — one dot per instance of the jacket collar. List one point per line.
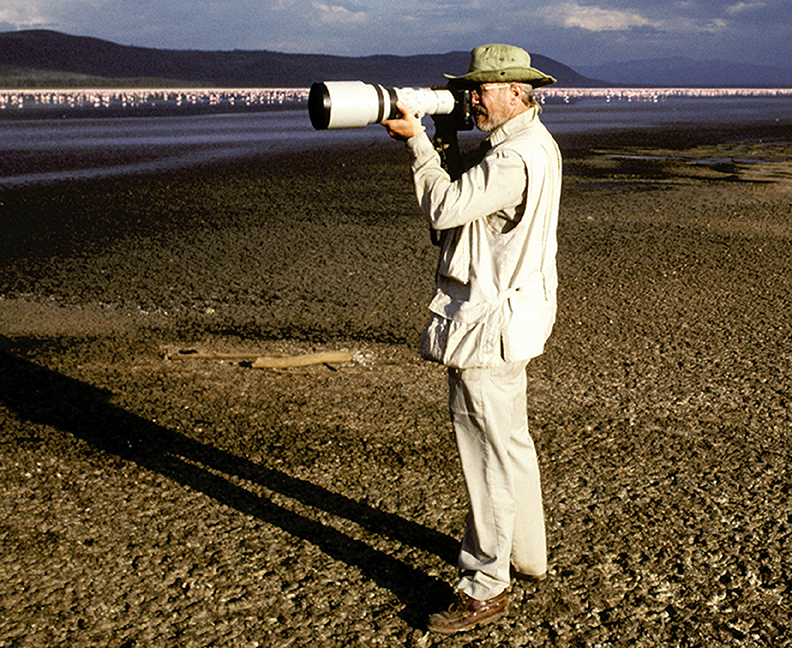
(516, 124)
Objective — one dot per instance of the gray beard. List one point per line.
(488, 126)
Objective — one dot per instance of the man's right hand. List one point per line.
(404, 127)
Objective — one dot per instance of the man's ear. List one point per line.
(515, 94)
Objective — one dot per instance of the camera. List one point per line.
(354, 104)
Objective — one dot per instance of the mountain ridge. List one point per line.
(45, 52)
(678, 71)
(45, 58)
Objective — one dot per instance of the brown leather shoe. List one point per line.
(467, 613)
(533, 578)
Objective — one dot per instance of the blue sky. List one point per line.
(575, 32)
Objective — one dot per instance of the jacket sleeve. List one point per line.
(497, 183)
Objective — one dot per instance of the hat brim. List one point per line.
(512, 75)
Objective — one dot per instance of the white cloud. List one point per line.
(336, 14)
(23, 13)
(742, 7)
(592, 18)
(27, 14)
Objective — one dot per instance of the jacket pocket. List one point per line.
(460, 344)
(527, 322)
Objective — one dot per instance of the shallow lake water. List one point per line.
(44, 151)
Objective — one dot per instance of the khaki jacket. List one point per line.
(496, 280)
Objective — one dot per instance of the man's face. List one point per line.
(491, 105)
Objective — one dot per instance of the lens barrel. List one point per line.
(319, 106)
(349, 104)
(354, 104)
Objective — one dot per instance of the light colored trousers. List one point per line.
(505, 522)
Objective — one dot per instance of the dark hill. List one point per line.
(43, 53)
(679, 71)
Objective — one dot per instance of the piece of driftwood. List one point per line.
(190, 354)
(325, 357)
(268, 361)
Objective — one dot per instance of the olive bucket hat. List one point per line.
(494, 63)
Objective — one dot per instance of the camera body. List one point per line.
(354, 104)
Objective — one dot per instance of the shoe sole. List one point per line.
(447, 632)
(529, 578)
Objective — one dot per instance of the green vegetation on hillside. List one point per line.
(15, 78)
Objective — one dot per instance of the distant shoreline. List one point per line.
(156, 100)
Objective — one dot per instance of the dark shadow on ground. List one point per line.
(43, 396)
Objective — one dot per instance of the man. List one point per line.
(492, 312)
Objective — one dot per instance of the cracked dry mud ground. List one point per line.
(153, 499)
